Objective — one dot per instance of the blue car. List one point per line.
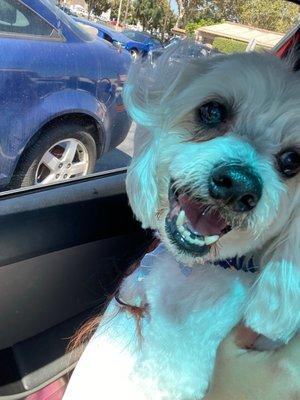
(137, 43)
(146, 42)
(60, 95)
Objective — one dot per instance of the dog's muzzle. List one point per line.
(193, 225)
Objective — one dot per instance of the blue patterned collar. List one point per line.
(239, 263)
(242, 263)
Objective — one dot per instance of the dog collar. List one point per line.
(236, 263)
(243, 263)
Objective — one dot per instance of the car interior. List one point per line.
(63, 251)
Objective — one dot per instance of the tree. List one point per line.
(216, 10)
(153, 14)
(191, 27)
(186, 8)
(97, 6)
(147, 12)
(275, 15)
(169, 19)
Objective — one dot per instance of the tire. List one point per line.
(31, 169)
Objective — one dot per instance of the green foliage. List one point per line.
(278, 15)
(97, 6)
(153, 14)
(148, 12)
(229, 45)
(274, 15)
(187, 11)
(191, 27)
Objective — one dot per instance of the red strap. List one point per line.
(286, 46)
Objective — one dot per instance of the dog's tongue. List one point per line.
(204, 222)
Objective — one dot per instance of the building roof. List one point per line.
(242, 33)
(178, 31)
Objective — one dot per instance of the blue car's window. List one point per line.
(18, 19)
(69, 21)
(139, 37)
(107, 37)
(157, 42)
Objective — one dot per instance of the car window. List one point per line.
(62, 112)
(156, 42)
(136, 36)
(107, 37)
(16, 18)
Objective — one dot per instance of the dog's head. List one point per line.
(217, 165)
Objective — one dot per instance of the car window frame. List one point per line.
(57, 37)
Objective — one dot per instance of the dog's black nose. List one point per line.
(236, 186)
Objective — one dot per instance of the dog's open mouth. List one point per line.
(192, 225)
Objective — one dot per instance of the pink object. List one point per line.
(54, 391)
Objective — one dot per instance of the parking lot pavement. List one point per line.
(120, 157)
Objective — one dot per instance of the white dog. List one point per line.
(216, 173)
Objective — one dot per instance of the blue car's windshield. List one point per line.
(139, 37)
(76, 28)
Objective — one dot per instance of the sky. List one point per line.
(174, 5)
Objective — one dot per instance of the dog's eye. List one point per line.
(211, 114)
(289, 163)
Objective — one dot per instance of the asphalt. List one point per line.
(120, 157)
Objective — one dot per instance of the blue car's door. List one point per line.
(36, 64)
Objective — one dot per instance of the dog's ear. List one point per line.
(273, 309)
(293, 57)
(141, 180)
(151, 84)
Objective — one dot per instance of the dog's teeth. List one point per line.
(181, 218)
(197, 241)
(181, 229)
(211, 239)
(187, 236)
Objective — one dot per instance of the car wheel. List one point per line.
(134, 54)
(61, 152)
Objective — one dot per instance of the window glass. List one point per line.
(107, 37)
(136, 36)
(16, 18)
(62, 113)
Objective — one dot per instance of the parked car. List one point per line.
(146, 42)
(60, 95)
(118, 39)
(193, 49)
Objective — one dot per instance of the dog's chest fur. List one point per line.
(188, 316)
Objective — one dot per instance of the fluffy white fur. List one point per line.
(190, 314)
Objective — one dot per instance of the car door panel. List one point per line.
(63, 250)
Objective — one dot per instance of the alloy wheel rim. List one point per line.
(66, 159)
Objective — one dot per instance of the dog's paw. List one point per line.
(273, 308)
(270, 320)
(246, 338)
(263, 343)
